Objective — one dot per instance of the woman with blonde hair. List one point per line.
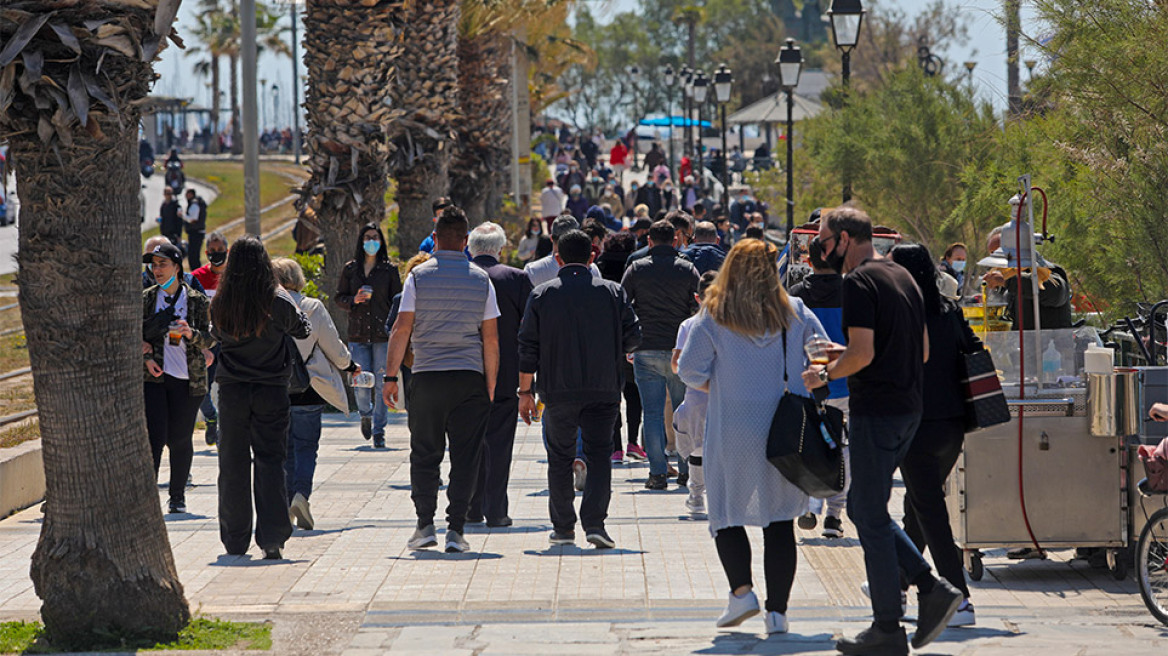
(746, 347)
(326, 357)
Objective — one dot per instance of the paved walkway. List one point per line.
(352, 587)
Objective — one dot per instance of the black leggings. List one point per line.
(779, 559)
(925, 467)
(632, 410)
(170, 420)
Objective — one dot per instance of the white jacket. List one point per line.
(329, 356)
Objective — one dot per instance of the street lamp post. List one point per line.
(669, 78)
(700, 87)
(276, 106)
(723, 80)
(846, 17)
(635, 73)
(790, 61)
(294, 9)
(969, 66)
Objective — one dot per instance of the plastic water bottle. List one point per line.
(363, 379)
(1052, 363)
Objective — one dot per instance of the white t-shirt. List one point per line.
(174, 358)
(410, 296)
(683, 332)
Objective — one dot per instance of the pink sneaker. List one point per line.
(618, 457)
(635, 452)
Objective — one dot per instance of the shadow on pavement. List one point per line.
(246, 560)
(572, 550)
(301, 533)
(443, 556)
(788, 643)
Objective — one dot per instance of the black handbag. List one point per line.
(985, 402)
(299, 380)
(806, 442)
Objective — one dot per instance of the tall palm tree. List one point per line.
(71, 77)
(212, 33)
(351, 48)
(426, 88)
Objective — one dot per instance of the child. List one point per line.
(689, 420)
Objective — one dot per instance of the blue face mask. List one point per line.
(168, 283)
(372, 246)
(958, 265)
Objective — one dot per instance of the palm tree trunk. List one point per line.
(347, 122)
(103, 562)
(426, 89)
(483, 152)
(236, 127)
(216, 104)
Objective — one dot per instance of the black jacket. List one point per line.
(512, 287)
(949, 338)
(1054, 301)
(264, 359)
(575, 333)
(662, 288)
(367, 320)
(171, 225)
(612, 265)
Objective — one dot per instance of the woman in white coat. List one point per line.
(326, 357)
(736, 351)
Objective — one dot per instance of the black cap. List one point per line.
(169, 251)
(641, 224)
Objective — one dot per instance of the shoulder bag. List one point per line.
(806, 442)
(985, 403)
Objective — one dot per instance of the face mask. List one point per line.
(168, 283)
(668, 189)
(217, 258)
(958, 265)
(834, 260)
(372, 246)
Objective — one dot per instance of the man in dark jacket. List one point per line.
(650, 196)
(512, 287)
(682, 223)
(575, 334)
(196, 223)
(663, 290)
(705, 253)
(170, 222)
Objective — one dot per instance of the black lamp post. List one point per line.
(669, 79)
(634, 72)
(723, 80)
(700, 87)
(790, 61)
(846, 17)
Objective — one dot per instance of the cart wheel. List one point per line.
(1152, 565)
(974, 565)
(1117, 563)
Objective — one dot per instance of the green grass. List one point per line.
(201, 634)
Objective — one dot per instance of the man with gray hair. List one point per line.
(546, 268)
(512, 288)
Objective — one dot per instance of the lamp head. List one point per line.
(790, 61)
(723, 80)
(846, 17)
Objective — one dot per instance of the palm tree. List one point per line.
(211, 30)
(351, 48)
(426, 88)
(103, 564)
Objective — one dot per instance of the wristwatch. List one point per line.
(824, 376)
(526, 392)
(389, 379)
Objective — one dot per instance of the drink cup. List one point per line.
(367, 290)
(363, 379)
(174, 334)
(816, 349)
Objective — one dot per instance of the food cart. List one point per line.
(1057, 474)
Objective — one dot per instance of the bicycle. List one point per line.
(1152, 559)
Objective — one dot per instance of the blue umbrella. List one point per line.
(675, 121)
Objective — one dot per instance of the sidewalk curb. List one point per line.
(22, 477)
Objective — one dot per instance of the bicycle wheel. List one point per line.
(1152, 565)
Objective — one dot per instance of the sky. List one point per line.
(986, 47)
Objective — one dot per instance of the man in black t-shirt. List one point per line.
(884, 318)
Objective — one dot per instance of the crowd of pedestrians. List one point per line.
(698, 336)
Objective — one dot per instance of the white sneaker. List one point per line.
(775, 622)
(738, 609)
(903, 597)
(696, 505)
(455, 543)
(964, 615)
(423, 538)
(302, 512)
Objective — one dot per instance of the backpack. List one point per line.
(299, 380)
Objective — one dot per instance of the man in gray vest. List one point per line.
(448, 312)
(546, 268)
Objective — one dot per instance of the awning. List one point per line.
(675, 121)
(773, 109)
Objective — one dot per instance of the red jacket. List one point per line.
(618, 154)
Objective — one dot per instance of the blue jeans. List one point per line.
(878, 444)
(303, 441)
(654, 378)
(371, 357)
(208, 407)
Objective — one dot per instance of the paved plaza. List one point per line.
(351, 587)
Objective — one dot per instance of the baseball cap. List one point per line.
(169, 251)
